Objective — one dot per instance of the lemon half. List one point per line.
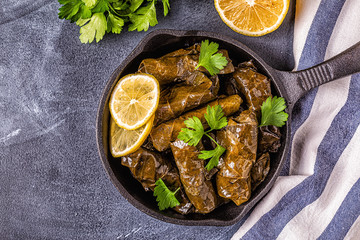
(252, 17)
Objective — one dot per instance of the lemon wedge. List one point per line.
(124, 142)
(252, 17)
(134, 100)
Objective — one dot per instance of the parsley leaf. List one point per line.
(214, 156)
(101, 6)
(73, 10)
(215, 117)
(143, 18)
(121, 5)
(135, 4)
(272, 112)
(84, 13)
(69, 8)
(209, 60)
(92, 27)
(90, 3)
(195, 131)
(165, 197)
(192, 137)
(114, 23)
(166, 5)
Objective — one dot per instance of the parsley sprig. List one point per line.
(272, 112)
(195, 131)
(95, 17)
(164, 196)
(209, 59)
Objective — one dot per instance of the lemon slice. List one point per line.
(124, 142)
(134, 100)
(252, 17)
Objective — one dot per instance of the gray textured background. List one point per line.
(52, 183)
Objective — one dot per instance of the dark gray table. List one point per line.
(52, 183)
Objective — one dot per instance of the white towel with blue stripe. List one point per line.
(317, 195)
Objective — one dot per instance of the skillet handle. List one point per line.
(296, 84)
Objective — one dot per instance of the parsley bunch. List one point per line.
(95, 17)
(195, 131)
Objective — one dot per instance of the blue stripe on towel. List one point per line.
(314, 53)
(335, 141)
(320, 32)
(345, 216)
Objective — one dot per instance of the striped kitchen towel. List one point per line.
(317, 195)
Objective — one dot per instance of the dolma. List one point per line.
(239, 137)
(269, 139)
(192, 172)
(178, 64)
(147, 167)
(260, 170)
(209, 144)
(198, 89)
(229, 86)
(163, 134)
(253, 85)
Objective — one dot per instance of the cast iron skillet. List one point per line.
(290, 85)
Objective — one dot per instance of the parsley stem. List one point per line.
(208, 131)
(113, 10)
(211, 138)
(176, 190)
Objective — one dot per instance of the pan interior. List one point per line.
(131, 189)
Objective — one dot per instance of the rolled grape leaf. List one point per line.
(228, 86)
(178, 65)
(260, 170)
(199, 190)
(196, 90)
(233, 180)
(269, 139)
(253, 85)
(167, 132)
(147, 167)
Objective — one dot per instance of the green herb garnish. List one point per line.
(143, 18)
(92, 27)
(209, 59)
(272, 112)
(193, 134)
(214, 156)
(95, 17)
(195, 131)
(215, 117)
(166, 6)
(164, 196)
